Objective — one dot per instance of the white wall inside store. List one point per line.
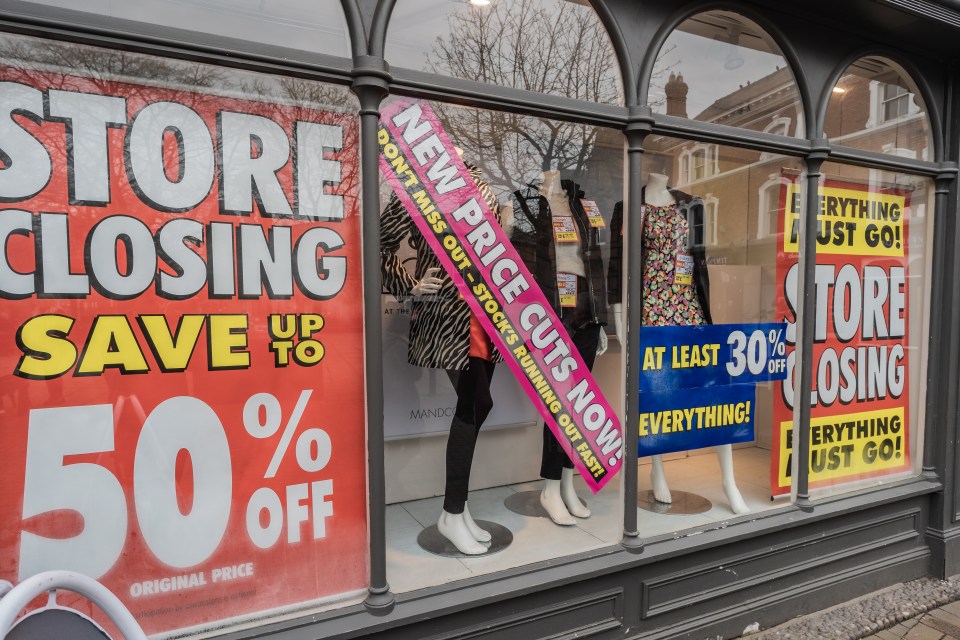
(504, 455)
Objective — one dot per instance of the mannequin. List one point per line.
(690, 307)
(444, 334)
(582, 314)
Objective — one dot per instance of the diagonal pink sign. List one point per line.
(433, 183)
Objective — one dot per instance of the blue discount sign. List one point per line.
(723, 363)
(679, 357)
(680, 421)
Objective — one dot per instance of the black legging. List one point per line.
(473, 406)
(554, 459)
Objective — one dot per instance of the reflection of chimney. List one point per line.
(676, 90)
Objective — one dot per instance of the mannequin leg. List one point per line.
(558, 497)
(569, 495)
(473, 406)
(479, 534)
(552, 462)
(453, 527)
(725, 456)
(552, 502)
(661, 492)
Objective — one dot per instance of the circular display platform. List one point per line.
(527, 503)
(431, 540)
(684, 504)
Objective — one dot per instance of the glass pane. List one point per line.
(713, 341)
(873, 296)
(875, 106)
(721, 67)
(441, 378)
(316, 26)
(180, 289)
(558, 47)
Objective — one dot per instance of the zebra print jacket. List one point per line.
(439, 324)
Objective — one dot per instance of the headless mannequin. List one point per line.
(459, 528)
(657, 194)
(558, 497)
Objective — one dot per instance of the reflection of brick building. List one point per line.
(740, 187)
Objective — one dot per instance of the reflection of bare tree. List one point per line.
(339, 107)
(68, 67)
(98, 66)
(558, 49)
(204, 88)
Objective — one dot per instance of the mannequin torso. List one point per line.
(656, 192)
(568, 255)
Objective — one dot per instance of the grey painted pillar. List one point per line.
(370, 86)
(806, 316)
(635, 133)
(938, 396)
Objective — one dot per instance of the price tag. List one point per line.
(564, 229)
(567, 288)
(683, 269)
(593, 213)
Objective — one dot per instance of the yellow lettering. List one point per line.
(111, 343)
(47, 353)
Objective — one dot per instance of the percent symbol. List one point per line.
(313, 446)
(776, 339)
(269, 510)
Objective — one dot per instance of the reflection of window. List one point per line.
(889, 102)
(684, 168)
(896, 101)
(769, 211)
(778, 126)
(698, 163)
(710, 204)
(901, 152)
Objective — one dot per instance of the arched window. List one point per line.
(876, 106)
(555, 47)
(720, 67)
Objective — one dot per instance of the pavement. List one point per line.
(924, 609)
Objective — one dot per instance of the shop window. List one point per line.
(316, 26)
(875, 106)
(873, 306)
(219, 214)
(720, 67)
(735, 280)
(556, 47)
(531, 172)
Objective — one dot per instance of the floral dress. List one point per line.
(665, 302)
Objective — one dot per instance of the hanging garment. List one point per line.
(669, 294)
(686, 208)
(534, 239)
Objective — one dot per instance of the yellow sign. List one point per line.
(848, 446)
(849, 222)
